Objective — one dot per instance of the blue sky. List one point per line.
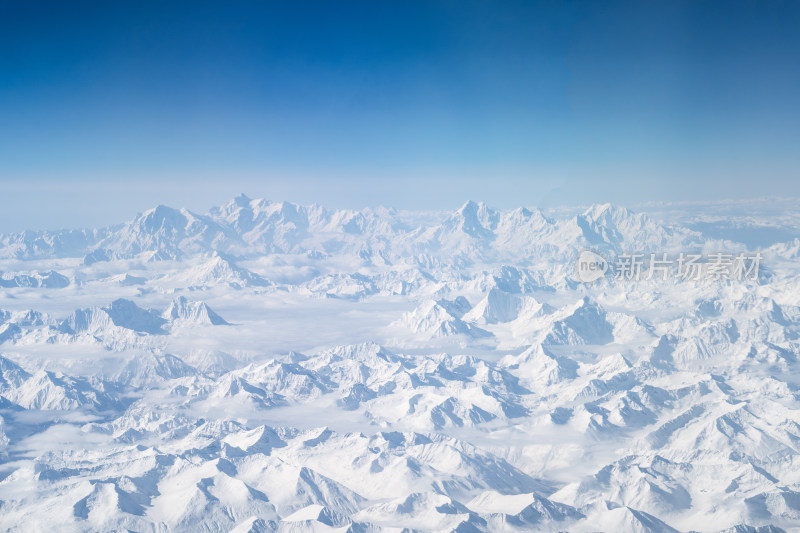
(107, 108)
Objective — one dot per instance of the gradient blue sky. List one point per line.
(107, 108)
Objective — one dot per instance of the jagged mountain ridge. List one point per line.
(247, 228)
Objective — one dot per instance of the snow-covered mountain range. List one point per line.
(274, 367)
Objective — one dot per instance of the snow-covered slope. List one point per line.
(378, 370)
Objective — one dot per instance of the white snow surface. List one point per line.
(275, 367)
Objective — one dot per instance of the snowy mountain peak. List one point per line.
(436, 319)
(183, 311)
(474, 219)
(126, 314)
(218, 269)
(606, 210)
(242, 200)
(163, 219)
(11, 374)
